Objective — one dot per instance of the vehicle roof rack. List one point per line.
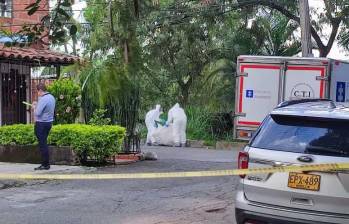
(293, 102)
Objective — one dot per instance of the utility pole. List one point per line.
(305, 28)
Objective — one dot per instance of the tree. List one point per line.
(274, 35)
(183, 51)
(112, 80)
(336, 16)
(54, 27)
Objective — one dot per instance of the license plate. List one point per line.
(304, 181)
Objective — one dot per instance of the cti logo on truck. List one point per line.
(302, 90)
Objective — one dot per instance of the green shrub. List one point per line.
(198, 125)
(68, 100)
(99, 118)
(20, 134)
(205, 125)
(98, 142)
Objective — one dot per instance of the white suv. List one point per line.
(297, 132)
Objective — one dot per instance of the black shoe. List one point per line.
(42, 167)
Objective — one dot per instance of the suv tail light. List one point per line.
(243, 162)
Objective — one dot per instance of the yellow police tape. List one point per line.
(215, 173)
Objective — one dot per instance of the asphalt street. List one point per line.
(184, 200)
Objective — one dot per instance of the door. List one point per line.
(340, 82)
(258, 92)
(14, 92)
(264, 82)
(302, 82)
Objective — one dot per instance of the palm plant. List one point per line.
(275, 35)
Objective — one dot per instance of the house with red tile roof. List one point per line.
(16, 63)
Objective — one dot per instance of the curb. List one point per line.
(126, 159)
(221, 145)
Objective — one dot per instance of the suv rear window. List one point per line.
(329, 137)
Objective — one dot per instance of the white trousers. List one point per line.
(151, 129)
(179, 135)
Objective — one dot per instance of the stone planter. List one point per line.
(31, 154)
(196, 143)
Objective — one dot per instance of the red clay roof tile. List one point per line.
(37, 55)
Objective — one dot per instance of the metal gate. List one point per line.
(14, 90)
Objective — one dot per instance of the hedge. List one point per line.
(98, 142)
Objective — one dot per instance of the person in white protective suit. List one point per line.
(150, 118)
(177, 118)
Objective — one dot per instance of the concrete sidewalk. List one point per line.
(29, 168)
(25, 168)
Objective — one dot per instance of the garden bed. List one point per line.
(31, 154)
(70, 143)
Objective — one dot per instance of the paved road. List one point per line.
(189, 200)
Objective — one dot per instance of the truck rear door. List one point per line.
(305, 81)
(257, 95)
(340, 82)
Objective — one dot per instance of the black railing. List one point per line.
(132, 144)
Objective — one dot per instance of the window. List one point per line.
(328, 137)
(6, 8)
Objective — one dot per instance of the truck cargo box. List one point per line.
(263, 82)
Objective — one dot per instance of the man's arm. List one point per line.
(40, 107)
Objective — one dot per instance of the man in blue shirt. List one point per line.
(44, 116)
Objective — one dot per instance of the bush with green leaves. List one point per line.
(99, 118)
(20, 134)
(68, 100)
(205, 125)
(97, 142)
(198, 125)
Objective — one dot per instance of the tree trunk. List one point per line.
(65, 48)
(324, 51)
(126, 52)
(136, 8)
(74, 45)
(184, 98)
(185, 90)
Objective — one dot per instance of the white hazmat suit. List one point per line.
(177, 118)
(150, 118)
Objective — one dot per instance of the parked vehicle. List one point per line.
(264, 82)
(308, 131)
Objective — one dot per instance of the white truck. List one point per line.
(262, 82)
